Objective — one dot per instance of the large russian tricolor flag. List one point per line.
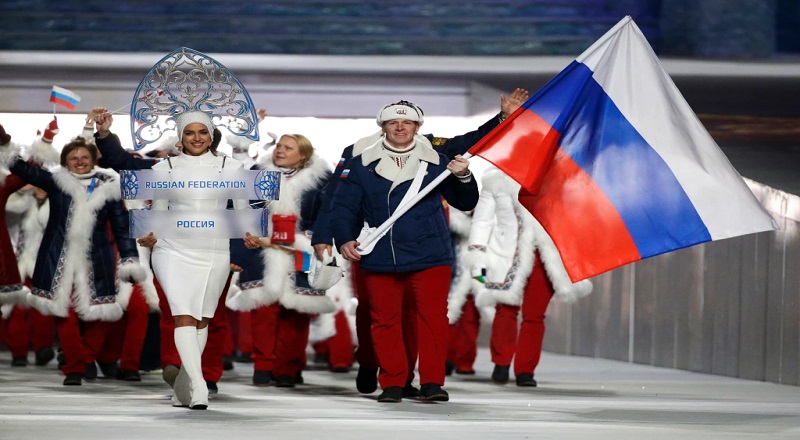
(62, 96)
(615, 164)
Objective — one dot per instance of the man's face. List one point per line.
(400, 132)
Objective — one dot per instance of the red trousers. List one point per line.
(365, 352)
(339, 347)
(79, 349)
(26, 327)
(264, 331)
(217, 333)
(463, 345)
(240, 337)
(526, 347)
(389, 292)
(291, 342)
(126, 336)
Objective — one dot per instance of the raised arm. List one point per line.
(112, 154)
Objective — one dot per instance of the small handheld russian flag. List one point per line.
(62, 96)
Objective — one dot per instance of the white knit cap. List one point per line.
(400, 110)
(187, 118)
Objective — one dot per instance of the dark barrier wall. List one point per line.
(718, 28)
(728, 308)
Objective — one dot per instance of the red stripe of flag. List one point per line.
(59, 101)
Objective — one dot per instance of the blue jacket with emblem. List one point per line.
(420, 239)
(450, 147)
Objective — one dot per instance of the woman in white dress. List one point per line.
(192, 272)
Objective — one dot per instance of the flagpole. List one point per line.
(602, 40)
(380, 231)
(124, 106)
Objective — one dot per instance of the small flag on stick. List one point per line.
(62, 96)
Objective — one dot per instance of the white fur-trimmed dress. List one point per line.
(76, 265)
(275, 278)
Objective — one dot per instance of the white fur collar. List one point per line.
(292, 189)
(386, 168)
(107, 190)
(366, 142)
(499, 181)
(8, 154)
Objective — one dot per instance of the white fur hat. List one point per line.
(400, 110)
(187, 118)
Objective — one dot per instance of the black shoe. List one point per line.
(410, 391)
(110, 369)
(129, 375)
(433, 392)
(320, 360)
(448, 368)
(526, 380)
(73, 379)
(44, 356)
(391, 395)
(500, 374)
(227, 363)
(243, 358)
(469, 372)
(284, 382)
(262, 378)
(340, 369)
(19, 361)
(212, 388)
(91, 371)
(298, 378)
(367, 380)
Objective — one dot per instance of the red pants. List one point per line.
(217, 333)
(291, 342)
(240, 337)
(339, 347)
(79, 350)
(389, 292)
(463, 345)
(126, 336)
(26, 326)
(365, 352)
(526, 347)
(264, 331)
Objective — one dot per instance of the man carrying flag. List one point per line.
(64, 97)
(616, 166)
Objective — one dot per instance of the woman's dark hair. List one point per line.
(74, 144)
(216, 139)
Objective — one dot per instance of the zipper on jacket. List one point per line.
(391, 228)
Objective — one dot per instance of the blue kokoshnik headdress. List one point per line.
(185, 81)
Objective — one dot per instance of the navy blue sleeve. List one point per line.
(115, 157)
(322, 227)
(451, 147)
(345, 210)
(460, 195)
(118, 218)
(34, 175)
(240, 255)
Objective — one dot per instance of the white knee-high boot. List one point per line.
(186, 341)
(202, 338)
